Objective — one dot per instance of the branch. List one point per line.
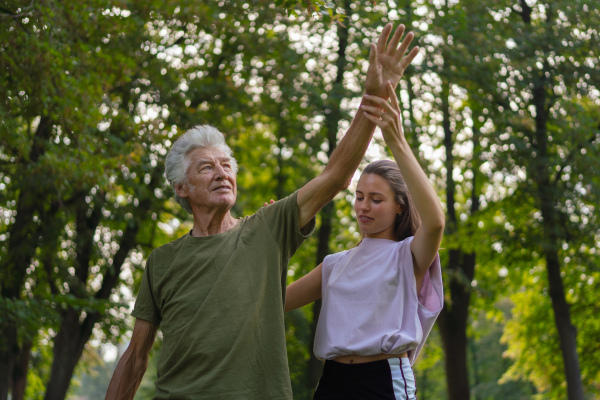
(6, 13)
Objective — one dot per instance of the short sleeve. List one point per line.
(329, 262)
(282, 220)
(431, 301)
(431, 295)
(145, 305)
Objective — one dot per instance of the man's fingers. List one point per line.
(393, 44)
(405, 43)
(409, 58)
(373, 55)
(383, 38)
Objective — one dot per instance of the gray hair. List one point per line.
(177, 162)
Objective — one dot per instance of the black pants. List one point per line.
(391, 379)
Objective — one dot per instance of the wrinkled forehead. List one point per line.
(210, 154)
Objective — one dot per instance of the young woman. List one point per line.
(381, 298)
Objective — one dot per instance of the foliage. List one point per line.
(93, 94)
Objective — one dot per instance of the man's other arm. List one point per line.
(132, 365)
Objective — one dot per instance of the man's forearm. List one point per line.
(350, 151)
(127, 377)
(338, 172)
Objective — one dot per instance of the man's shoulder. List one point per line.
(168, 249)
(275, 209)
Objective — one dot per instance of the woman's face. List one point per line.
(376, 207)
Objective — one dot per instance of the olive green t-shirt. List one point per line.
(219, 303)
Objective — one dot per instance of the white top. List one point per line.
(370, 303)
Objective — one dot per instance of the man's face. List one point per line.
(211, 180)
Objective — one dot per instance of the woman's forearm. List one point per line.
(422, 192)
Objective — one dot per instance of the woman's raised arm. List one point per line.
(428, 237)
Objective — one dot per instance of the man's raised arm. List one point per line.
(385, 64)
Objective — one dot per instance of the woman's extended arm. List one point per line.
(429, 235)
(305, 290)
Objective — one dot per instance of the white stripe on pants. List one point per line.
(403, 379)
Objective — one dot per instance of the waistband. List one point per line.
(373, 367)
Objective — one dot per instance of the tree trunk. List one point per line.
(19, 381)
(334, 115)
(73, 335)
(8, 355)
(551, 226)
(452, 324)
(459, 273)
(315, 366)
(22, 242)
(553, 229)
(566, 331)
(68, 347)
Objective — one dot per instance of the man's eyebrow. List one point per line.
(212, 161)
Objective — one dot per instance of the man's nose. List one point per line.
(220, 172)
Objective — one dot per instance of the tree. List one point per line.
(102, 88)
(546, 107)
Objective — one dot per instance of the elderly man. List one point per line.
(218, 292)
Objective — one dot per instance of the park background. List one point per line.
(502, 108)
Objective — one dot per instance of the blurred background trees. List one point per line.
(502, 108)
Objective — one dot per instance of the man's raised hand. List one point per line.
(388, 63)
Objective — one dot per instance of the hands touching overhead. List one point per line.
(386, 115)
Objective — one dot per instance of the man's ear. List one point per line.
(181, 190)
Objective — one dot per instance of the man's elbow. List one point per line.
(345, 184)
(338, 183)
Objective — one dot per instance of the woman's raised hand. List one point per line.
(386, 115)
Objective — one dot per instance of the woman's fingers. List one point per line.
(376, 111)
(380, 102)
(393, 97)
(376, 120)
